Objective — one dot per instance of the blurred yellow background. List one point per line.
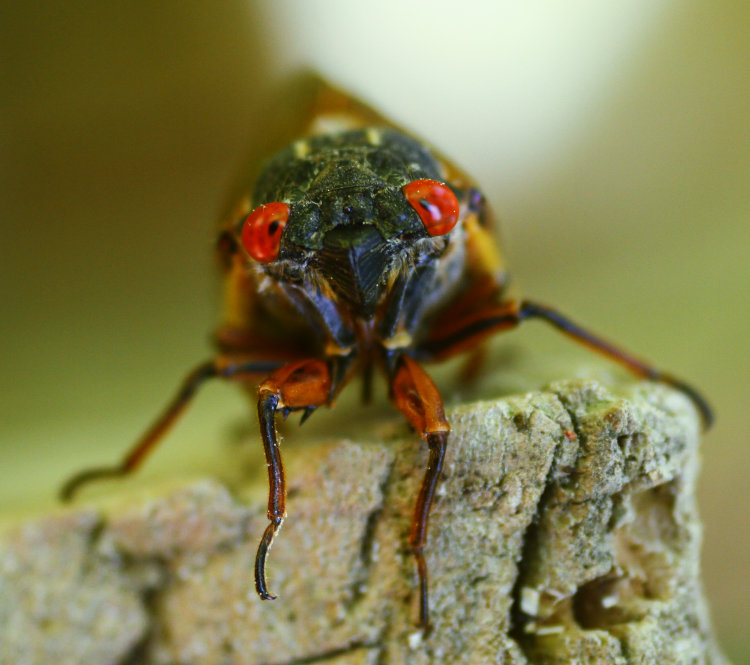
(613, 140)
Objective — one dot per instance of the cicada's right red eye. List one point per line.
(435, 203)
(261, 232)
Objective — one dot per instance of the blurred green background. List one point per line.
(613, 139)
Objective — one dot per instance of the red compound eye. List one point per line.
(261, 232)
(435, 203)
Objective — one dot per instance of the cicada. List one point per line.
(359, 249)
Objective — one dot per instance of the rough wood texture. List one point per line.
(564, 531)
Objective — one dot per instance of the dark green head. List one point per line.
(338, 207)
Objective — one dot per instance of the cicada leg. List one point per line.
(415, 395)
(220, 367)
(465, 334)
(305, 385)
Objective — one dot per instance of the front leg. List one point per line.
(306, 385)
(416, 396)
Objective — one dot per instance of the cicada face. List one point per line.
(348, 213)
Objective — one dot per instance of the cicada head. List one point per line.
(350, 210)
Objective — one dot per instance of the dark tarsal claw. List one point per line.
(306, 414)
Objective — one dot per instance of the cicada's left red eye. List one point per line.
(261, 232)
(435, 203)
